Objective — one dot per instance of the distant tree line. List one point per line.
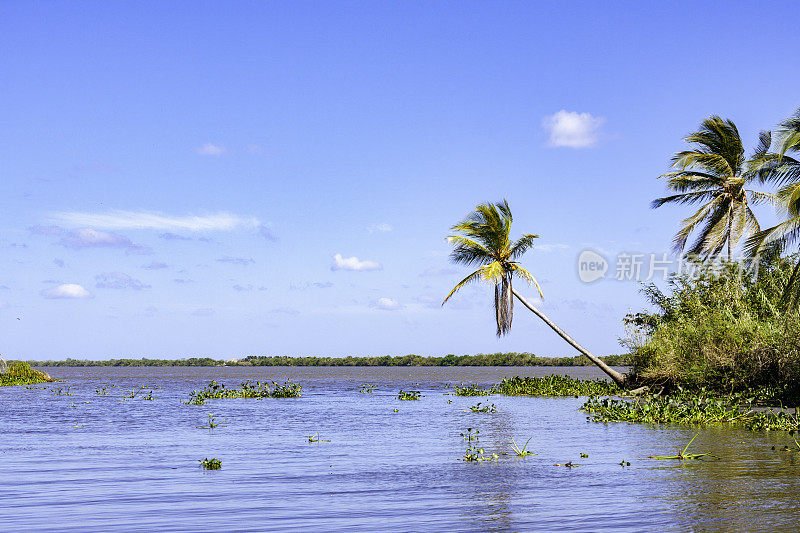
(495, 359)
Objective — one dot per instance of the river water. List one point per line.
(81, 461)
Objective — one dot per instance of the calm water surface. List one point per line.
(86, 462)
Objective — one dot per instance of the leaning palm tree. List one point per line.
(714, 173)
(483, 238)
(783, 169)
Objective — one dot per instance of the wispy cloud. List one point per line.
(118, 280)
(59, 262)
(155, 265)
(236, 260)
(550, 247)
(66, 291)
(174, 237)
(142, 220)
(90, 238)
(439, 272)
(353, 263)
(383, 227)
(573, 130)
(314, 285)
(387, 304)
(211, 149)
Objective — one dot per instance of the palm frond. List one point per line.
(527, 276)
(472, 277)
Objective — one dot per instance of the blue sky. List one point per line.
(228, 179)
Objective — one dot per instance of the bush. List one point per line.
(724, 328)
(19, 373)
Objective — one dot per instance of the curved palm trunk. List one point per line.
(618, 378)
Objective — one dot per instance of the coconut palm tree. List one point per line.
(783, 169)
(483, 238)
(714, 173)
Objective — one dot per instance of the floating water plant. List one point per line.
(63, 391)
(315, 438)
(687, 407)
(568, 464)
(471, 390)
(212, 423)
(148, 396)
(624, 463)
(521, 452)
(556, 386)
(210, 464)
(103, 391)
(584, 455)
(474, 452)
(248, 389)
(489, 408)
(682, 455)
(21, 373)
(366, 388)
(409, 395)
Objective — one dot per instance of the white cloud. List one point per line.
(571, 129)
(150, 221)
(383, 227)
(211, 149)
(67, 290)
(353, 263)
(550, 247)
(387, 304)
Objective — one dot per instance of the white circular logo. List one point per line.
(591, 266)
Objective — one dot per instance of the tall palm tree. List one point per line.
(483, 238)
(714, 173)
(783, 169)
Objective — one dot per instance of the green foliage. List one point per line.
(489, 408)
(367, 389)
(723, 328)
(483, 238)
(471, 390)
(212, 423)
(492, 359)
(556, 386)
(21, 373)
(474, 451)
(521, 452)
(210, 464)
(248, 389)
(409, 395)
(695, 408)
(682, 455)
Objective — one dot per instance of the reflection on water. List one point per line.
(81, 461)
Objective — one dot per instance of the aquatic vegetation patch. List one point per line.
(21, 373)
(682, 455)
(489, 408)
(212, 423)
(315, 438)
(556, 386)
(521, 452)
(367, 388)
(692, 408)
(474, 451)
(409, 395)
(210, 464)
(471, 390)
(248, 389)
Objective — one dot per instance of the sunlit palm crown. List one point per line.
(715, 173)
(483, 238)
(783, 168)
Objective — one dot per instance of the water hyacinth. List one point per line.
(248, 389)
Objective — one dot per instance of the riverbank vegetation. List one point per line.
(20, 373)
(494, 359)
